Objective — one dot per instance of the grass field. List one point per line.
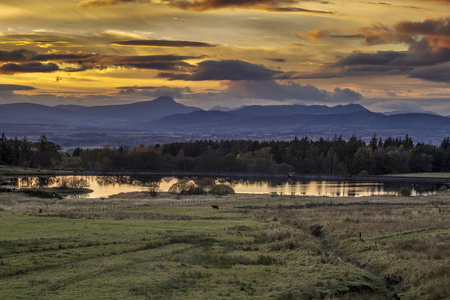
(134, 246)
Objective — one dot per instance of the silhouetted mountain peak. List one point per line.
(164, 99)
(279, 110)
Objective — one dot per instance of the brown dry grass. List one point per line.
(405, 241)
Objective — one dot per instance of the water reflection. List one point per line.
(104, 186)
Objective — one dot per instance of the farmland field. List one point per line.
(133, 246)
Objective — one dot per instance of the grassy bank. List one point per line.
(14, 170)
(133, 246)
(424, 175)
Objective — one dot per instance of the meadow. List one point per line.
(134, 246)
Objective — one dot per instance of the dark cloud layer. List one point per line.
(427, 58)
(25, 61)
(15, 87)
(154, 92)
(438, 73)
(17, 55)
(408, 32)
(162, 43)
(266, 5)
(238, 91)
(225, 70)
(28, 68)
(275, 59)
(204, 5)
(272, 90)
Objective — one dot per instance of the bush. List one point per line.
(205, 183)
(72, 183)
(443, 188)
(153, 189)
(186, 187)
(363, 173)
(221, 189)
(405, 192)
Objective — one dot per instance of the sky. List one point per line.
(386, 56)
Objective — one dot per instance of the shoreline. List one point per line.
(316, 177)
(415, 178)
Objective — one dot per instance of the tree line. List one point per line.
(302, 155)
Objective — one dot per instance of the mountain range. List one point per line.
(92, 116)
(164, 115)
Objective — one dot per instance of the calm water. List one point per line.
(104, 186)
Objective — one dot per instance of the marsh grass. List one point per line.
(253, 247)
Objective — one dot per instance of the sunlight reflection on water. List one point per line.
(104, 186)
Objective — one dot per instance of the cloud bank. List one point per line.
(205, 5)
(427, 57)
(162, 43)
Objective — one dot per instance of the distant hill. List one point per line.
(139, 111)
(221, 108)
(415, 122)
(97, 116)
(354, 122)
(208, 121)
(27, 113)
(164, 116)
(283, 110)
(71, 107)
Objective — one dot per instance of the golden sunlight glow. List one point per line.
(95, 47)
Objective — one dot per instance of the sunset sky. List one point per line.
(386, 56)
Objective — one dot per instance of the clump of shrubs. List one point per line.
(189, 187)
(153, 189)
(443, 189)
(206, 183)
(405, 192)
(186, 186)
(221, 189)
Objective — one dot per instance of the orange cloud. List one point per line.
(440, 1)
(101, 3)
(317, 34)
(162, 43)
(378, 34)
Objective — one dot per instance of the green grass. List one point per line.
(253, 247)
